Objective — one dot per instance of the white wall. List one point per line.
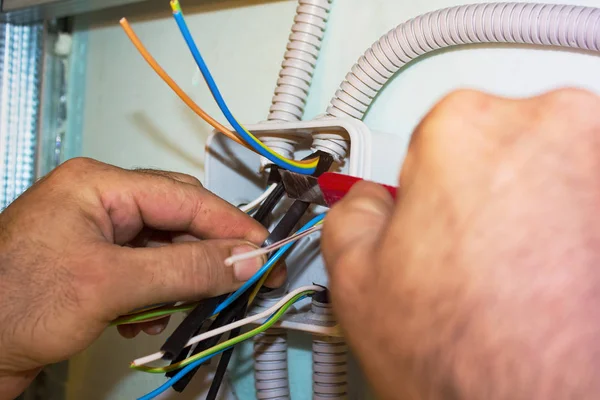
(132, 118)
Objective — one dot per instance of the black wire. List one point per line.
(222, 368)
(227, 316)
(189, 327)
(287, 223)
(238, 309)
(269, 204)
(281, 231)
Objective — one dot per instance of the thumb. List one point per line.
(179, 271)
(352, 229)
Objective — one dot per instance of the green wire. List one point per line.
(161, 312)
(226, 344)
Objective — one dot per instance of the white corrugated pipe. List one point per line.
(271, 365)
(295, 77)
(523, 23)
(270, 356)
(330, 363)
(300, 59)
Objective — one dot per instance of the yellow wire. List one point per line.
(260, 284)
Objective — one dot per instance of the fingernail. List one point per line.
(243, 270)
(156, 329)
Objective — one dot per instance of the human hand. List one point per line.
(90, 242)
(481, 281)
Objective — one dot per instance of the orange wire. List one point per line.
(169, 81)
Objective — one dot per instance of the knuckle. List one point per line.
(571, 95)
(462, 111)
(176, 176)
(207, 273)
(192, 180)
(78, 163)
(570, 103)
(75, 167)
(464, 101)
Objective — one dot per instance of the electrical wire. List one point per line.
(162, 388)
(152, 314)
(199, 338)
(258, 286)
(272, 247)
(302, 167)
(259, 200)
(268, 205)
(135, 40)
(223, 346)
(269, 264)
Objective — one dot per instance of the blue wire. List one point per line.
(187, 36)
(227, 302)
(177, 377)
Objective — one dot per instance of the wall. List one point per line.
(132, 119)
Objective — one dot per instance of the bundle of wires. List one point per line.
(227, 312)
(242, 135)
(191, 363)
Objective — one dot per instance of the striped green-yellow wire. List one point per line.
(152, 314)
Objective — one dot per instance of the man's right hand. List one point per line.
(482, 280)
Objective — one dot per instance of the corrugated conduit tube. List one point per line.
(295, 77)
(520, 23)
(330, 363)
(300, 59)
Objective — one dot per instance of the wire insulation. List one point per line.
(135, 40)
(162, 388)
(302, 167)
(256, 317)
(266, 250)
(223, 346)
(270, 264)
(259, 200)
(152, 315)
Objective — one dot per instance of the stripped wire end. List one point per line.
(175, 6)
(267, 249)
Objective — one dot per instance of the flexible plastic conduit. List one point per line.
(523, 23)
(271, 379)
(300, 59)
(330, 380)
(297, 69)
(270, 365)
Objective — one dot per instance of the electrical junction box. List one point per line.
(232, 172)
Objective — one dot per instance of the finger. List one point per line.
(133, 200)
(154, 328)
(277, 277)
(184, 178)
(183, 237)
(354, 225)
(180, 271)
(129, 331)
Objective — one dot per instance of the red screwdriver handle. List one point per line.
(336, 186)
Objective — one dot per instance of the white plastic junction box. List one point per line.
(232, 172)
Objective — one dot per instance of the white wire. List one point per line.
(266, 250)
(199, 338)
(259, 200)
